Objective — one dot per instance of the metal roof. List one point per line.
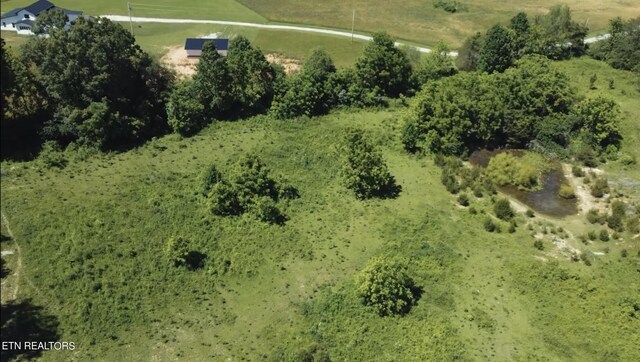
(12, 12)
(26, 22)
(198, 43)
(39, 6)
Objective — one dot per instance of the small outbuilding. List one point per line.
(194, 46)
(22, 20)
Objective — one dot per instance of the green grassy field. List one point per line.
(419, 21)
(92, 238)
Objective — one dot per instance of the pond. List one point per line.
(544, 201)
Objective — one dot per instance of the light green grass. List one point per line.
(190, 9)
(92, 236)
(419, 21)
(157, 39)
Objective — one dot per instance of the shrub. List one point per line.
(477, 192)
(599, 187)
(463, 200)
(577, 171)
(185, 110)
(624, 253)
(593, 216)
(450, 6)
(512, 228)
(566, 192)
(449, 180)
(530, 213)
(210, 178)
(224, 200)
(538, 244)
(266, 210)
(615, 222)
(386, 286)
(592, 235)
(502, 209)
(176, 251)
(633, 224)
(489, 225)
(52, 156)
(604, 235)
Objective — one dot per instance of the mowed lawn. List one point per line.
(419, 21)
(193, 9)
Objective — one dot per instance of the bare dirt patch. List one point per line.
(586, 201)
(176, 59)
(290, 65)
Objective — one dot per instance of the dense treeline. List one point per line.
(529, 105)
(622, 49)
(554, 35)
(95, 87)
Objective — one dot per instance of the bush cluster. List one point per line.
(250, 188)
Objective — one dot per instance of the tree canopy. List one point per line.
(386, 286)
(104, 90)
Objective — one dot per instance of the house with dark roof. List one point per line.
(194, 46)
(23, 19)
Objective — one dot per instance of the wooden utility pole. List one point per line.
(130, 21)
(353, 23)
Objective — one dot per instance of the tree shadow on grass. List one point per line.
(4, 271)
(23, 322)
(389, 191)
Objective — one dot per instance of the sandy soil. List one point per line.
(586, 201)
(176, 59)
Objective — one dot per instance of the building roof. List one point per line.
(198, 43)
(12, 12)
(26, 22)
(39, 6)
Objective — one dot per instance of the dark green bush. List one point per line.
(604, 235)
(463, 200)
(538, 244)
(502, 209)
(599, 187)
(577, 171)
(210, 178)
(489, 225)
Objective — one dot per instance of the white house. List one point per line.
(23, 19)
(194, 46)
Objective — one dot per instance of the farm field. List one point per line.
(93, 234)
(419, 21)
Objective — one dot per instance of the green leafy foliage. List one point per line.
(598, 120)
(522, 171)
(435, 65)
(502, 209)
(622, 49)
(185, 110)
(104, 90)
(599, 187)
(364, 170)
(566, 191)
(386, 286)
(450, 6)
(249, 188)
(309, 93)
(212, 83)
(50, 21)
(383, 68)
(497, 51)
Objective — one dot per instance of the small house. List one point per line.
(194, 46)
(22, 19)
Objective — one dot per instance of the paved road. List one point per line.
(122, 18)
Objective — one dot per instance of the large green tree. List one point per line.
(252, 78)
(311, 92)
(50, 21)
(435, 65)
(383, 68)
(212, 83)
(622, 49)
(497, 51)
(599, 119)
(469, 53)
(104, 89)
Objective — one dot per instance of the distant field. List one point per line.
(157, 38)
(419, 21)
(196, 9)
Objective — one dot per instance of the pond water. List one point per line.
(546, 200)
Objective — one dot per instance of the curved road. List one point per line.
(122, 18)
